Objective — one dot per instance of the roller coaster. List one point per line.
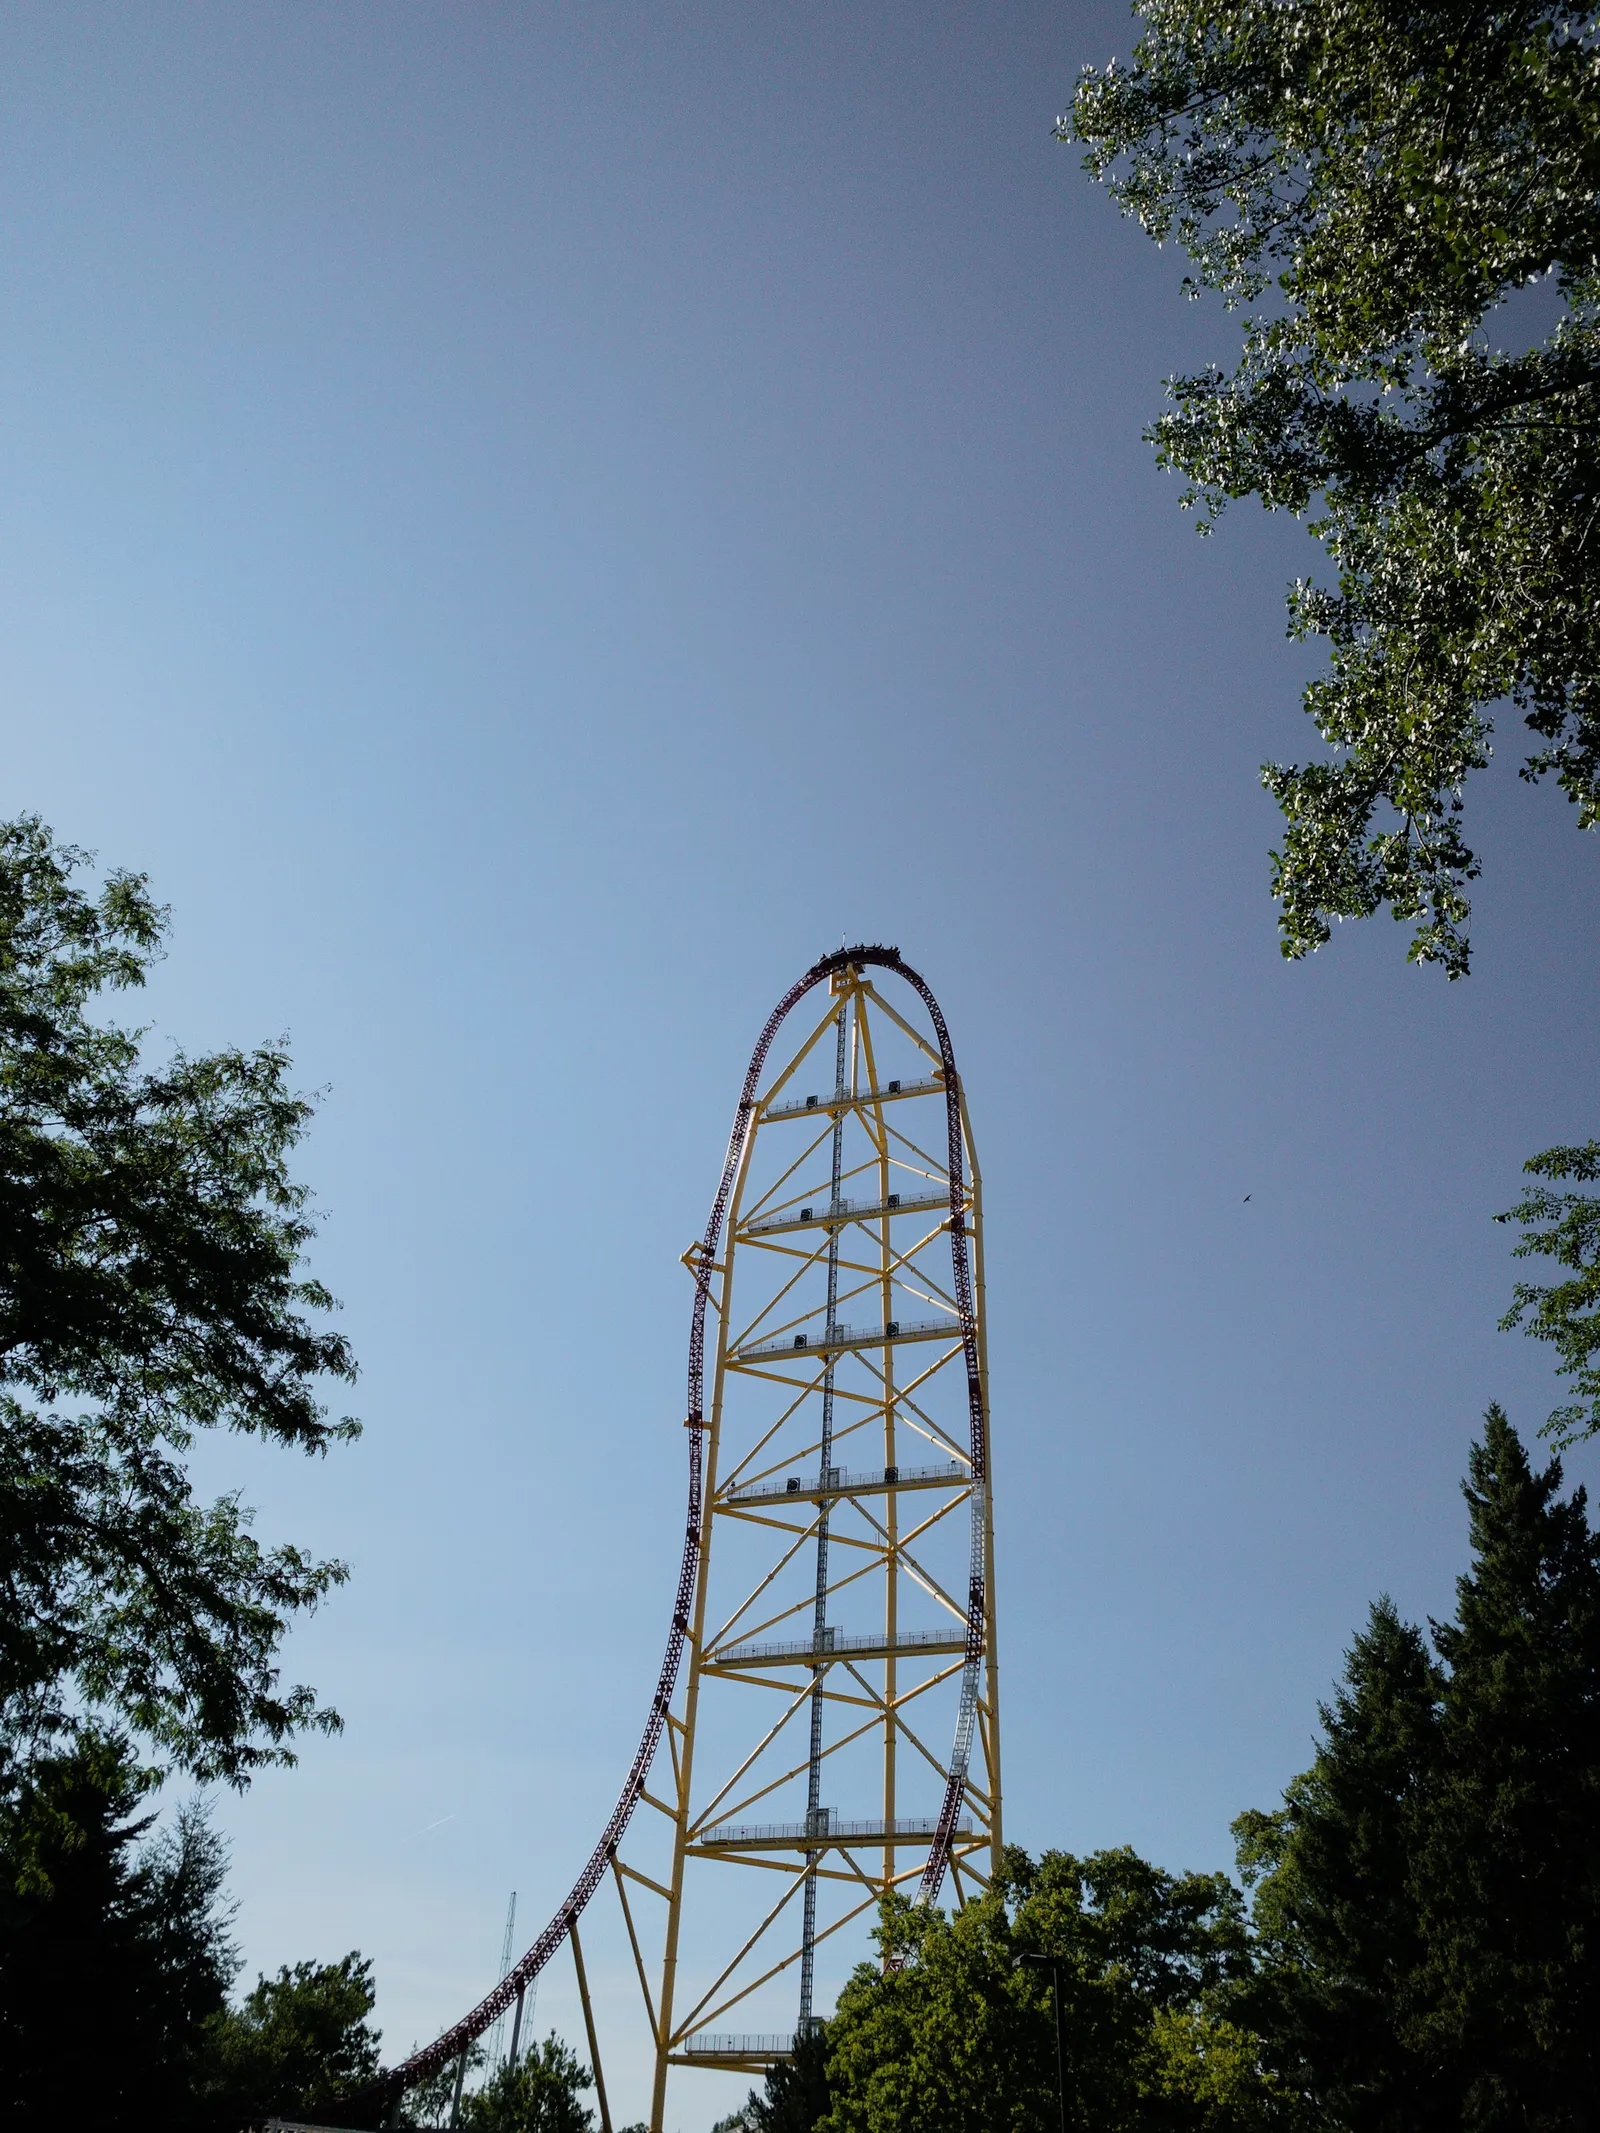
(841, 1459)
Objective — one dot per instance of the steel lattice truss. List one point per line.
(834, 1735)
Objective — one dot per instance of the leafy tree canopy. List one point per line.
(542, 2093)
(957, 2033)
(1565, 1227)
(301, 2045)
(1371, 181)
(150, 1243)
(1427, 1901)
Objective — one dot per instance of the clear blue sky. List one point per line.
(530, 523)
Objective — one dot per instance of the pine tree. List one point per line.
(113, 1954)
(1429, 1894)
(1338, 1918)
(794, 2095)
(1509, 1876)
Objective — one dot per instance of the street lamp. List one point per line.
(1049, 1962)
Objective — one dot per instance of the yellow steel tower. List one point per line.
(829, 1697)
(836, 1734)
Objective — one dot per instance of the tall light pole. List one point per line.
(1049, 1962)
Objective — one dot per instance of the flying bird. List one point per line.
(1247, 1196)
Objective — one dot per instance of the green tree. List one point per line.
(795, 2094)
(542, 2093)
(429, 2103)
(1565, 1227)
(1428, 1900)
(150, 1243)
(300, 2045)
(1511, 1872)
(1337, 1911)
(114, 1953)
(1371, 182)
(956, 2033)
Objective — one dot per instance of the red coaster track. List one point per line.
(472, 2025)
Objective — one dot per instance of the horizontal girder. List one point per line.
(828, 1214)
(841, 1644)
(829, 1834)
(837, 1340)
(852, 1100)
(873, 1481)
(736, 2054)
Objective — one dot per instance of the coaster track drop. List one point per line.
(964, 1837)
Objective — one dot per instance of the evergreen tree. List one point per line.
(795, 2094)
(1509, 1873)
(1336, 1909)
(116, 1955)
(1429, 1894)
(112, 1956)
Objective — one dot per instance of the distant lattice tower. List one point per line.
(834, 1736)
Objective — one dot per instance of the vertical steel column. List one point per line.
(891, 1506)
(989, 1714)
(696, 1635)
(891, 1523)
(589, 2029)
(819, 1629)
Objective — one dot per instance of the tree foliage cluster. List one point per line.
(151, 1285)
(116, 1963)
(1402, 197)
(114, 1955)
(795, 2094)
(150, 1239)
(543, 2093)
(959, 2031)
(1565, 1227)
(1373, 182)
(117, 1968)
